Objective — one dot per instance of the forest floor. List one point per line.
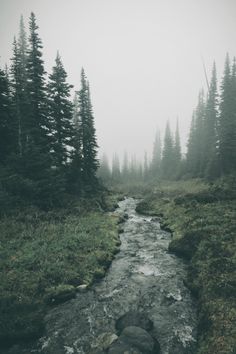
(46, 256)
(202, 219)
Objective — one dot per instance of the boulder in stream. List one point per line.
(133, 318)
(133, 340)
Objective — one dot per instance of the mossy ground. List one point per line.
(45, 256)
(203, 221)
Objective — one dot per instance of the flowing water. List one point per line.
(143, 277)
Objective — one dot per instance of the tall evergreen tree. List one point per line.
(8, 125)
(88, 135)
(167, 170)
(177, 151)
(191, 148)
(39, 125)
(19, 87)
(198, 139)
(75, 183)
(226, 128)
(210, 128)
(61, 113)
(145, 167)
(156, 155)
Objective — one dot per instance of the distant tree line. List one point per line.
(166, 162)
(47, 143)
(211, 147)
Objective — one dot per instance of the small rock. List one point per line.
(104, 341)
(82, 288)
(120, 347)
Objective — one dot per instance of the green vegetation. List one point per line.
(203, 222)
(45, 256)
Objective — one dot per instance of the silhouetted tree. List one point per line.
(88, 136)
(60, 111)
(167, 170)
(227, 125)
(156, 155)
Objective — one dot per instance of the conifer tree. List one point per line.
(226, 128)
(191, 148)
(210, 128)
(198, 159)
(88, 135)
(177, 151)
(19, 87)
(167, 170)
(74, 173)
(145, 167)
(61, 113)
(156, 155)
(38, 158)
(8, 126)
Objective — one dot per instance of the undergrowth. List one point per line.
(202, 219)
(44, 257)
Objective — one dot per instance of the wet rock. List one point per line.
(103, 342)
(156, 219)
(120, 230)
(133, 340)
(133, 318)
(121, 347)
(82, 288)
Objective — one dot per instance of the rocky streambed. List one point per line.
(140, 307)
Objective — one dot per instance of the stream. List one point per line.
(143, 278)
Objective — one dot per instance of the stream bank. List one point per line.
(145, 281)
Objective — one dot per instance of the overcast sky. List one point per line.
(142, 57)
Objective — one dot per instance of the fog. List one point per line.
(142, 58)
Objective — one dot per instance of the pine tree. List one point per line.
(226, 128)
(198, 162)
(191, 148)
(177, 151)
(8, 126)
(19, 87)
(145, 167)
(167, 170)
(156, 155)
(88, 136)
(61, 113)
(38, 158)
(74, 174)
(210, 126)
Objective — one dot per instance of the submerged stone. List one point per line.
(132, 318)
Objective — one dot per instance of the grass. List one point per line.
(44, 257)
(202, 219)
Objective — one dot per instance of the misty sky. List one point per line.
(142, 57)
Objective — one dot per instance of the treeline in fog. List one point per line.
(48, 144)
(211, 146)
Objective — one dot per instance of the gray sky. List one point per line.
(142, 57)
